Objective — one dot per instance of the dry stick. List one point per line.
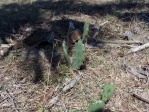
(135, 71)
(13, 102)
(117, 43)
(120, 45)
(72, 83)
(138, 48)
(3, 99)
(140, 98)
(121, 42)
(104, 23)
(6, 45)
(55, 99)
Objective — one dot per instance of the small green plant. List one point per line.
(85, 31)
(79, 51)
(40, 110)
(107, 93)
(78, 55)
(109, 90)
(97, 106)
(75, 111)
(65, 50)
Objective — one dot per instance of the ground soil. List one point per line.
(27, 80)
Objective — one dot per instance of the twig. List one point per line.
(3, 99)
(72, 83)
(104, 23)
(135, 71)
(6, 45)
(121, 42)
(138, 48)
(54, 100)
(140, 98)
(120, 45)
(13, 102)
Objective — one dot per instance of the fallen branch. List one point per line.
(143, 72)
(6, 45)
(140, 36)
(138, 48)
(96, 43)
(4, 99)
(140, 98)
(13, 102)
(53, 101)
(72, 83)
(122, 42)
(104, 23)
(135, 72)
(120, 45)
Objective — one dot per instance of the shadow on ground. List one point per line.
(15, 16)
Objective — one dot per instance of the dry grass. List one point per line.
(105, 65)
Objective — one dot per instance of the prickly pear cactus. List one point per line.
(108, 91)
(78, 55)
(85, 31)
(65, 49)
(96, 107)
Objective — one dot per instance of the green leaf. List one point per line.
(78, 55)
(65, 50)
(40, 110)
(85, 31)
(96, 107)
(76, 111)
(108, 91)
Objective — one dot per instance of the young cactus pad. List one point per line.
(66, 53)
(85, 31)
(96, 107)
(108, 91)
(78, 55)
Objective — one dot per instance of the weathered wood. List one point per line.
(138, 48)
